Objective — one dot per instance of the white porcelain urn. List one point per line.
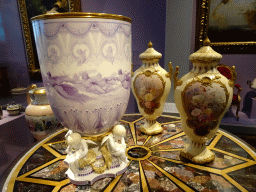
(202, 97)
(85, 61)
(151, 85)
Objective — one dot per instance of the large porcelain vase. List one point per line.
(202, 97)
(151, 85)
(85, 62)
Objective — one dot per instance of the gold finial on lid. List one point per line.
(150, 44)
(207, 42)
(150, 53)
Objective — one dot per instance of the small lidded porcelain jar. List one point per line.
(39, 115)
(151, 85)
(202, 97)
(14, 109)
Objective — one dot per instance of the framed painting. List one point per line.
(229, 24)
(29, 9)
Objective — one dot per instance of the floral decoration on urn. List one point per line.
(151, 85)
(85, 61)
(202, 97)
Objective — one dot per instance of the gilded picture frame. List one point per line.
(29, 9)
(229, 24)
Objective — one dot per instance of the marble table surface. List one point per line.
(155, 164)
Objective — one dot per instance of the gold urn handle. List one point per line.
(232, 81)
(169, 74)
(176, 80)
(132, 73)
(30, 87)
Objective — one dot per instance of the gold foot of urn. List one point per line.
(151, 127)
(197, 153)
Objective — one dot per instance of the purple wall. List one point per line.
(148, 21)
(12, 52)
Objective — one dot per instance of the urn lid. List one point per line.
(13, 106)
(150, 54)
(38, 91)
(205, 54)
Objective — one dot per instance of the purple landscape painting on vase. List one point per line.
(86, 69)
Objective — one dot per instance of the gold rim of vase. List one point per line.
(81, 15)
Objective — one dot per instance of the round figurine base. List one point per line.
(87, 176)
(91, 160)
(205, 156)
(151, 129)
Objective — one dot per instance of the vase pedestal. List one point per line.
(151, 127)
(197, 153)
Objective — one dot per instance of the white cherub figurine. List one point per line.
(77, 149)
(116, 144)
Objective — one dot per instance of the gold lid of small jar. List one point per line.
(81, 15)
(150, 53)
(38, 91)
(205, 54)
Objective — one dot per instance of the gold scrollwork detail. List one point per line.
(148, 73)
(132, 73)
(62, 4)
(169, 74)
(27, 35)
(232, 81)
(176, 80)
(99, 170)
(75, 6)
(156, 100)
(90, 158)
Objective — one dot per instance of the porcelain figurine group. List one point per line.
(85, 61)
(89, 160)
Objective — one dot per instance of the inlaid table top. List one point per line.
(155, 164)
